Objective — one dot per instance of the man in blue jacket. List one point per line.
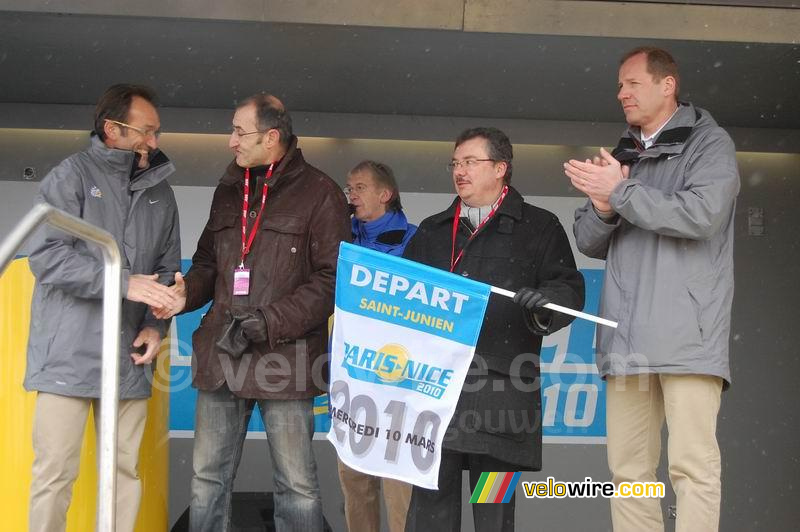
(117, 183)
(378, 219)
(380, 224)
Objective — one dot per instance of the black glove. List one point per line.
(537, 318)
(253, 324)
(531, 299)
(233, 340)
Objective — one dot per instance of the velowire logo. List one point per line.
(495, 487)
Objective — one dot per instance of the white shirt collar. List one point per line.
(648, 141)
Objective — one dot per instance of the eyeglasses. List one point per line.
(155, 133)
(360, 188)
(239, 132)
(467, 163)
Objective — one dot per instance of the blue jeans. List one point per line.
(221, 420)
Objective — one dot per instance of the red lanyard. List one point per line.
(245, 205)
(453, 259)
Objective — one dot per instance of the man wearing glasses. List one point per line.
(119, 184)
(267, 259)
(378, 223)
(491, 235)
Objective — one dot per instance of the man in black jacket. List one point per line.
(491, 235)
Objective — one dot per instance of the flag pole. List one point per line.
(563, 310)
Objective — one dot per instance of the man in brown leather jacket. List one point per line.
(268, 261)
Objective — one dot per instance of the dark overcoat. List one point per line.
(499, 411)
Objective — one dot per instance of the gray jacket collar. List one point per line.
(671, 140)
(122, 161)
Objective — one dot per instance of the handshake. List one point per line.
(174, 303)
(244, 327)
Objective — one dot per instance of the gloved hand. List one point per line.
(232, 340)
(253, 324)
(532, 299)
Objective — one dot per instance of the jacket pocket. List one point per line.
(220, 221)
(287, 231)
(509, 408)
(226, 231)
(699, 289)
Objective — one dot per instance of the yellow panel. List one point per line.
(154, 453)
(16, 406)
(16, 419)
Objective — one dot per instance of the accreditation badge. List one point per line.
(241, 281)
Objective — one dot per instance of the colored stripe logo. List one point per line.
(495, 487)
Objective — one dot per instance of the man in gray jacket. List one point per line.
(660, 212)
(117, 183)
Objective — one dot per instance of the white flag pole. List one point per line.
(564, 310)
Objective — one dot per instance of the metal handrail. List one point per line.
(109, 393)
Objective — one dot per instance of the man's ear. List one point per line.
(502, 168)
(111, 130)
(669, 86)
(273, 137)
(385, 195)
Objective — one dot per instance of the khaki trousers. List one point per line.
(637, 406)
(362, 506)
(58, 427)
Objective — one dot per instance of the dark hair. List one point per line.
(500, 149)
(115, 103)
(383, 176)
(660, 64)
(271, 114)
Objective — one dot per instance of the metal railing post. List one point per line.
(112, 299)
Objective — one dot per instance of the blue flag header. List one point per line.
(402, 292)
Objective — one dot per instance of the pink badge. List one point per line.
(241, 282)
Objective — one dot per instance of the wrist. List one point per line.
(603, 210)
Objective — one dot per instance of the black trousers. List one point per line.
(440, 510)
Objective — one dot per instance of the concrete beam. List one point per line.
(635, 20)
(441, 14)
(542, 17)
